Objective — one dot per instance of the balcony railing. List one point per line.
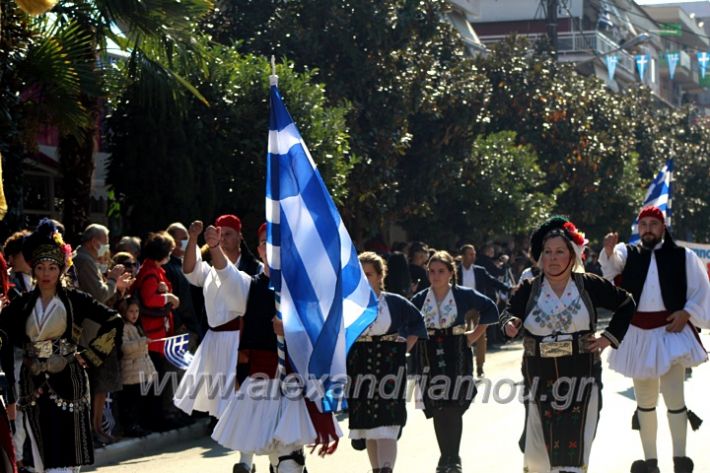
(585, 42)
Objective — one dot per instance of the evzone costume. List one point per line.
(261, 419)
(663, 280)
(207, 383)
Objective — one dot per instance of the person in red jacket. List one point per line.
(153, 290)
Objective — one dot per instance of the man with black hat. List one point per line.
(672, 292)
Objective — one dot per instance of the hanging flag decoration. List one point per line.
(611, 62)
(703, 59)
(658, 195)
(642, 61)
(673, 60)
(325, 301)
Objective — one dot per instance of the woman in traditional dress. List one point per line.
(376, 405)
(54, 389)
(556, 312)
(445, 361)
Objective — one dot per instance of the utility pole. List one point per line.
(551, 19)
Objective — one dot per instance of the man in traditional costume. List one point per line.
(672, 292)
(223, 286)
(260, 419)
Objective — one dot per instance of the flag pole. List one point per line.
(280, 339)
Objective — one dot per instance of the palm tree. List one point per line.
(68, 62)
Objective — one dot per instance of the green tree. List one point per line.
(499, 189)
(414, 92)
(212, 159)
(579, 129)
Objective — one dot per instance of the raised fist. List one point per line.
(213, 235)
(195, 229)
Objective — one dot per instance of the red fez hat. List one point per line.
(652, 211)
(231, 221)
(262, 229)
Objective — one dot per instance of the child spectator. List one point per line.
(135, 360)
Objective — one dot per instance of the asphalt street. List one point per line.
(492, 428)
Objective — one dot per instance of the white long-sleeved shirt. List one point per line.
(226, 290)
(698, 286)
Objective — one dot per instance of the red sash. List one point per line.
(650, 320)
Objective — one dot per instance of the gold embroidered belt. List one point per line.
(378, 338)
(46, 348)
(439, 332)
(579, 343)
(49, 356)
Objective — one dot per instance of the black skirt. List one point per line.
(377, 388)
(58, 409)
(561, 389)
(445, 371)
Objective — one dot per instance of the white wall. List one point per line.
(471, 8)
(517, 10)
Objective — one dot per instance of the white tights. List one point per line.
(647, 390)
(382, 452)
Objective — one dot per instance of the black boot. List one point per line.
(443, 465)
(645, 466)
(682, 465)
(455, 465)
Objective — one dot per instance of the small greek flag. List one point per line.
(642, 61)
(611, 61)
(176, 351)
(673, 60)
(658, 195)
(703, 59)
(324, 298)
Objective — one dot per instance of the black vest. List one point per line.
(670, 259)
(258, 332)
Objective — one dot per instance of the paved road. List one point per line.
(491, 432)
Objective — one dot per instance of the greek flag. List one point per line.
(176, 351)
(642, 60)
(325, 299)
(659, 195)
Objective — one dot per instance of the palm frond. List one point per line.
(173, 19)
(56, 75)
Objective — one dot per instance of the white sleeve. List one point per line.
(235, 288)
(613, 265)
(200, 271)
(526, 274)
(698, 293)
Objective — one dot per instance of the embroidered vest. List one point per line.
(670, 259)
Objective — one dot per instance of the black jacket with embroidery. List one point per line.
(595, 291)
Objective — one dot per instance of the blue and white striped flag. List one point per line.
(325, 299)
(658, 195)
(176, 351)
